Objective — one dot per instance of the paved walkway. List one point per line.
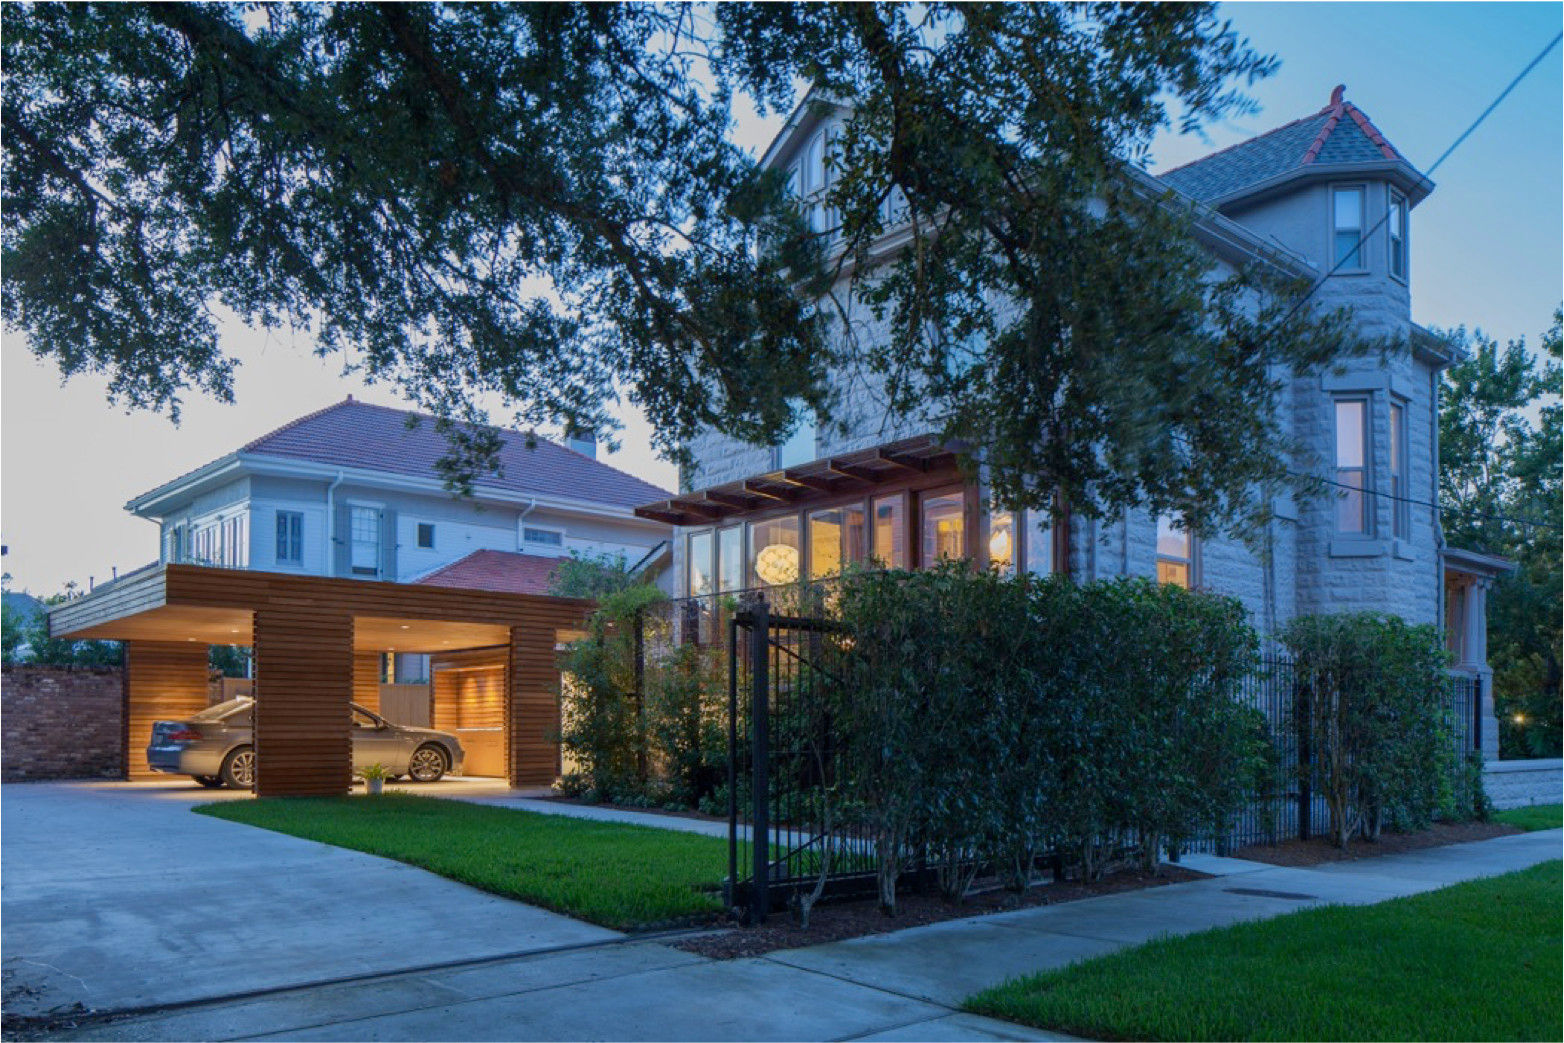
(904, 985)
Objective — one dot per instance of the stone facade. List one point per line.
(62, 723)
(1518, 784)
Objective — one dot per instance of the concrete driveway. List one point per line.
(115, 895)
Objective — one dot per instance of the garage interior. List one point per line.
(317, 646)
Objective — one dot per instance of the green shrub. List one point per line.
(686, 707)
(1374, 697)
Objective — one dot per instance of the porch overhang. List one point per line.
(817, 481)
(1474, 564)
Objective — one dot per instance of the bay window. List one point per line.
(1396, 224)
(1399, 508)
(1351, 475)
(1347, 227)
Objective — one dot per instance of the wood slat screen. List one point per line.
(533, 755)
(163, 681)
(304, 677)
(366, 680)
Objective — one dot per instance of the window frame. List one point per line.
(1398, 246)
(1191, 559)
(289, 532)
(1339, 266)
(355, 512)
(1366, 488)
(525, 543)
(418, 535)
(1399, 458)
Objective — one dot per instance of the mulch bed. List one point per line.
(1318, 850)
(841, 920)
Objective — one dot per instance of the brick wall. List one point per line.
(61, 723)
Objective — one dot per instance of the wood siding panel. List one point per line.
(162, 682)
(469, 700)
(533, 754)
(366, 680)
(304, 668)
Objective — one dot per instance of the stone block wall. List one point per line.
(61, 723)
(1519, 784)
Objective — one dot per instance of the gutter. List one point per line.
(331, 525)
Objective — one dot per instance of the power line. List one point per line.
(1427, 175)
(1441, 508)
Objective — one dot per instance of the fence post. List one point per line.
(1477, 713)
(760, 727)
(1302, 711)
(733, 768)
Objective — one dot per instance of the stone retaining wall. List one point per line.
(60, 722)
(1517, 784)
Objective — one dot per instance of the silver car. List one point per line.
(216, 746)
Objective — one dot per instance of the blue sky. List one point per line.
(1486, 251)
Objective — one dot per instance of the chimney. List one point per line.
(584, 443)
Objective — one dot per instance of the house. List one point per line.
(352, 490)
(1305, 197)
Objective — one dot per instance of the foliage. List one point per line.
(372, 772)
(591, 576)
(230, 660)
(992, 719)
(621, 876)
(27, 640)
(602, 728)
(542, 201)
(1479, 960)
(1500, 452)
(686, 697)
(1375, 698)
(1532, 818)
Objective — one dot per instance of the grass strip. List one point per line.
(1476, 961)
(1538, 816)
(621, 876)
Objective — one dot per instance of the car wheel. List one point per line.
(239, 768)
(208, 781)
(428, 764)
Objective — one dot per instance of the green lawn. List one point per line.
(1475, 961)
(1538, 816)
(620, 876)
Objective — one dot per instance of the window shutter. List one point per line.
(388, 545)
(342, 541)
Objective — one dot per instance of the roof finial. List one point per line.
(350, 396)
(1335, 95)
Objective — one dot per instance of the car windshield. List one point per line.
(223, 709)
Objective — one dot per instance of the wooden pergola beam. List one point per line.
(849, 470)
(819, 483)
(904, 460)
(742, 503)
(782, 494)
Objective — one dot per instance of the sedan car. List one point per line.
(216, 747)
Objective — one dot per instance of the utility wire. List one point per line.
(1427, 175)
(1442, 508)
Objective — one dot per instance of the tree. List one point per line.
(592, 576)
(542, 201)
(42, 649)
(1500, 455)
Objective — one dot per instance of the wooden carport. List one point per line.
(313, 637)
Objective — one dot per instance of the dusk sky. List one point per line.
(1485, 247)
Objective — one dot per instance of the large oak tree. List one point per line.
(544, 201)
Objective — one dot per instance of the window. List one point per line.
(426, 535)
(1347, 224)
(542, 537)
(773, 552)
(1002, 541)
(890, 532)
(1397, 224)
(290, 538)
(1400, 509)
(730, 558)
(1175, 552)
(837, 536)
(1040, 543)
(799, 448)
(1352, 466)
(364, 540)
(700, 564)
(944, 527)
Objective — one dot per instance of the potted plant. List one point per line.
(374, 778)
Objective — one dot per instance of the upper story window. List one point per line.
(799, 448)
(810, 176)
(290, 538)
(1396, 224)
(700, 564)
(1352, 456)
(426, 535)
(1003, 541)
(1347, 227)
(533, 537)
(1400, 508)
(364, 540)
(1175, 552)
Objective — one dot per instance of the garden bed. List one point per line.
(1319, 850)
(839, 921)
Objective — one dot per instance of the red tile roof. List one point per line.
(503, 571)
(377, 438)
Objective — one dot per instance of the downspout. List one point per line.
(1439, 529)
(331, 525)
(532, 505)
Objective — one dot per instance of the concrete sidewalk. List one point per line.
(898, 986)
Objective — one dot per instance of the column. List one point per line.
(304, 681)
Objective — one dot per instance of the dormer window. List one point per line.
(809, 178)
(1396, 223)
(1347, 226)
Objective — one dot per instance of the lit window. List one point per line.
(730, 558)
(1397, 224)
(890, 533)
(1398, 470)
(944, 527)
(1352, 465)
(1002, 541)
(290, 538)
(1175, 552)
(364, 530)
(1347, 221)
(426, 535)
(773, 552)
(542, 537)
(837, 537)
(700, 564)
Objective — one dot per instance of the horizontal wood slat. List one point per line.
(163, 682)
(304, 673)
(533, 749)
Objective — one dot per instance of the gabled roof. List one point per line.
(499, 570)
(366, 437)
(1340, 134)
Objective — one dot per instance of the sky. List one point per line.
(1487, 250)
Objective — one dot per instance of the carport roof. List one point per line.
(216, 606)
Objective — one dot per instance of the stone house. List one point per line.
(1322, 191)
